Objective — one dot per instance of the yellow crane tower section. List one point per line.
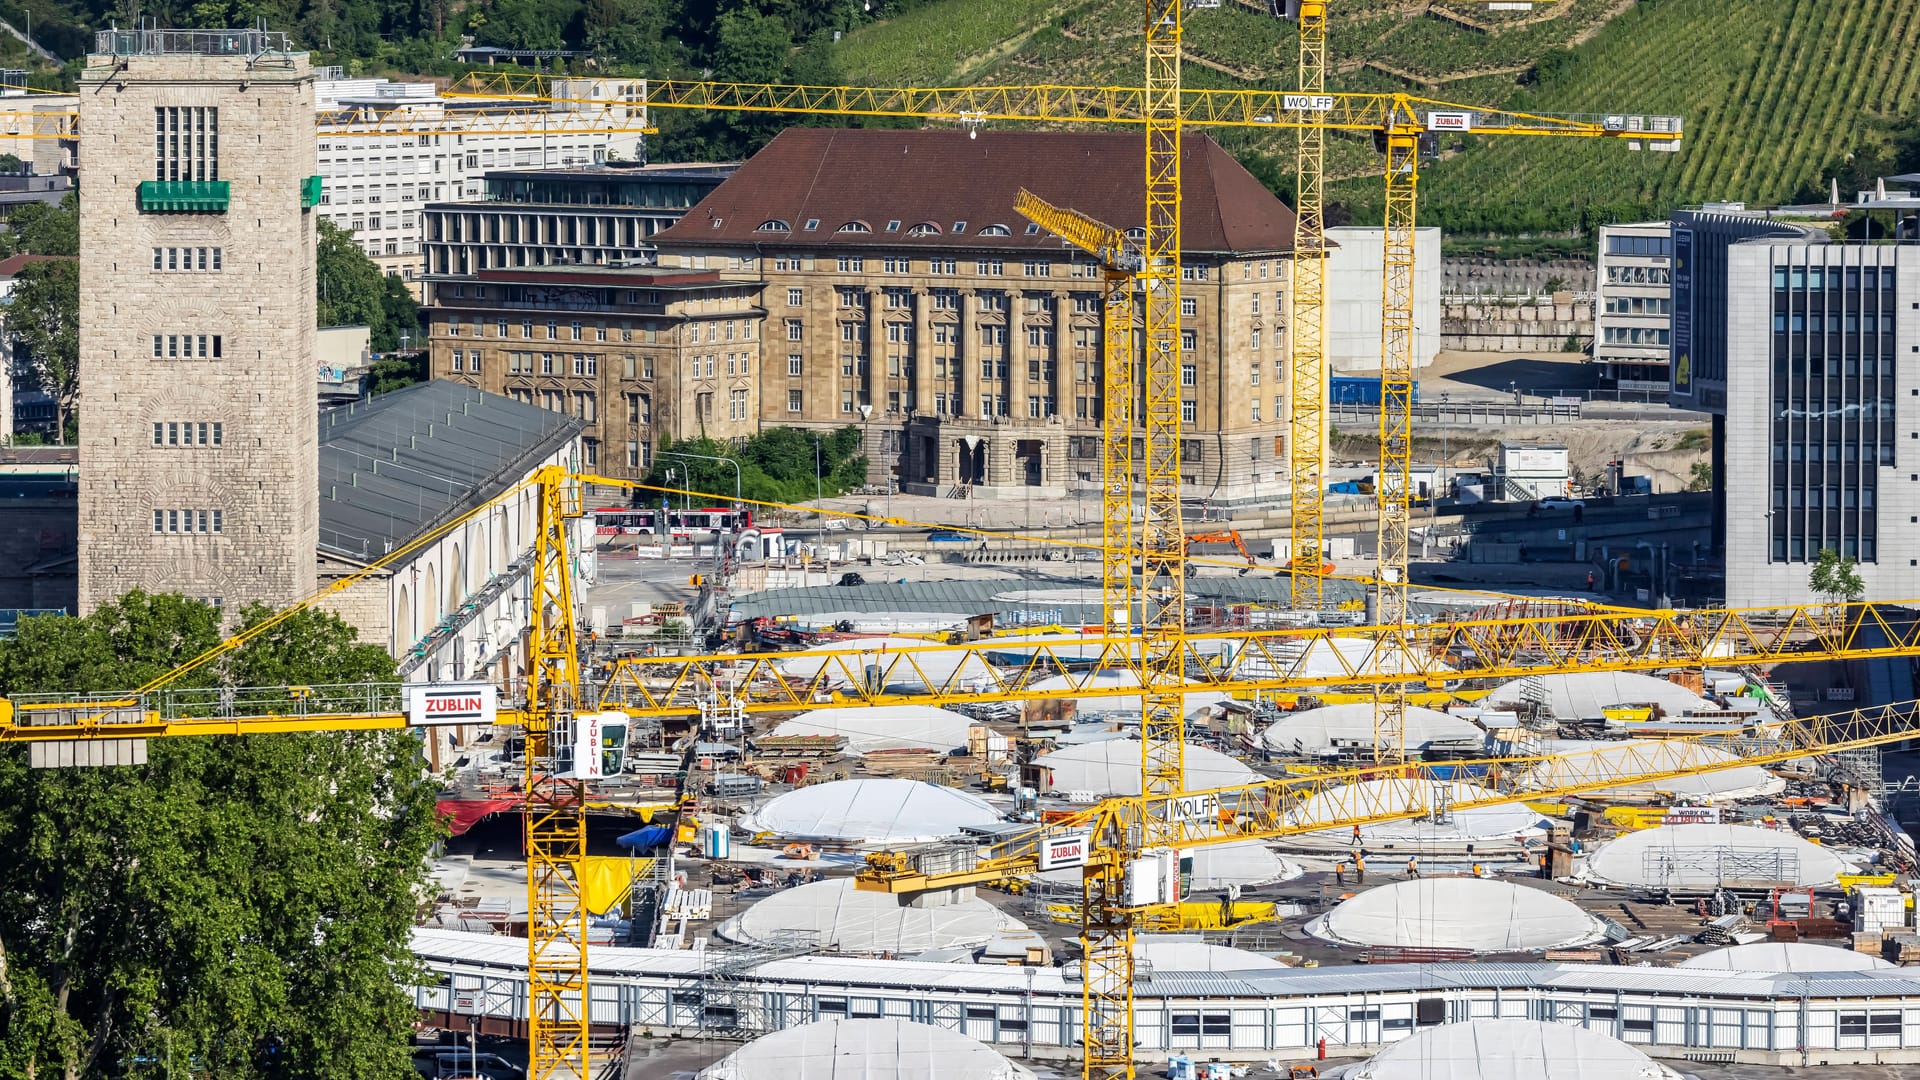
(1307, 370)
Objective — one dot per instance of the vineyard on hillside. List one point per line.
(1774, 92)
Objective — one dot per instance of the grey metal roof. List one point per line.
(1010, 599)
(397, 465)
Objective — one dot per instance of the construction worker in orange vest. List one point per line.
(1413, 866)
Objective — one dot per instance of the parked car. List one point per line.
(1562, 502)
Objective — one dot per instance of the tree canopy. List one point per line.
(238, 906)
(776, 465)
(354, 292)
(41, 229)
(43, 318)
(1835, 577)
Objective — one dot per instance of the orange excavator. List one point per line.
(1231, 536)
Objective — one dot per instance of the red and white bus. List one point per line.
(644, 521)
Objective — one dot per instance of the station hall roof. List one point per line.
(876, 188)
(397, 465)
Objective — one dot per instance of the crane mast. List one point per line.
(1307, 392)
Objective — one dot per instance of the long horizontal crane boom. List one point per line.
(1085, 105)
(1337, 800)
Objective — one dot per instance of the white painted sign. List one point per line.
(466, 1001)
(1691, 815)
(1060, 852)
(1194, 809)
(451, 703)
(588, 762)
(1307, 102)
(1449, 121)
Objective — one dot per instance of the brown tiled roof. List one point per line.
(13, 264)
(942, 177)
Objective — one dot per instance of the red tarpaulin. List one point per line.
(463, 814)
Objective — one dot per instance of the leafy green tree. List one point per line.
(238, 906)
(524, 24)
(750, 47)
(40, 229)
(631, 32)
(43, 319)
(1836, 578)
(354, 292)
(776, 465)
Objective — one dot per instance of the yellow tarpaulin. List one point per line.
(605, 880)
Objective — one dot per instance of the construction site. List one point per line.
(1183, 814)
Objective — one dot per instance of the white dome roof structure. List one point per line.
(1583, 758)
(1582, 695)
(1333, 727)
(1246, 862)
(833, 914)
(1450, 830)
(1117, 703)
(883, 655)
(1480, 914)
(1783, 957)
(871, 811)
(1331, 657)
(1112, 767)
(1510, 1050)
(1707, 856)
(885, 727)
(865, 1050)
(1169, 956)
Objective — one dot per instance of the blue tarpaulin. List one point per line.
(646, 839)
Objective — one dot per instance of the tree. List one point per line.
(353, 291)
(240, 906)
(40, 229)
(1836, 578)
(1702, 476)
(776, 465)
(43, 319)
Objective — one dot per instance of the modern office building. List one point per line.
(1633, 312)
(198, 472)
(1355, 266)
(591, 216)
(636, 355)
(378, 184)
(1821, 419)
(905, 295)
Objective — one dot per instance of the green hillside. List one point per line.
(1776, 93)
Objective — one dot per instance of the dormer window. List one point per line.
(925, 228)
(996, 230)
(1136, 234)
(855, 227)
(774, 225)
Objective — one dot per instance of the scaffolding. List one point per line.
(731, 1004)
(1668, 867)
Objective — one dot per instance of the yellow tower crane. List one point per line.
(1124, 885)
(1307, 370)
(1120, 263)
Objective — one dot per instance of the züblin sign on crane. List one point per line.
(451, 703)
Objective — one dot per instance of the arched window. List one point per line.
(995, 230)
(925, 228)
(774, 225)
(855, 227)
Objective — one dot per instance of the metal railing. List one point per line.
(190, 42)
(216, 702)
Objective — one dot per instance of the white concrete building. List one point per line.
(1354, 267)
(1633, 313)
(1821, 411)
(376, 185)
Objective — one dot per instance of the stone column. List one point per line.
(1062, 355)
(968, 352)
(922, 353)
(875, 384)
(1017, 356)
